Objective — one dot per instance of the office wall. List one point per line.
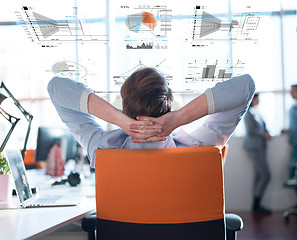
(238, 174)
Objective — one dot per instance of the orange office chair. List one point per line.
(174, 193)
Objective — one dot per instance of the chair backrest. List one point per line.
(176, 191)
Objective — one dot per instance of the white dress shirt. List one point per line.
(227, 103)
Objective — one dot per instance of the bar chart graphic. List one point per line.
(212, 70)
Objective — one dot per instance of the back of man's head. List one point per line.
(294, 91)
(146, 93)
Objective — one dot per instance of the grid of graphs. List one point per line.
(189, 44)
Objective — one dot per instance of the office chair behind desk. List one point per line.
(161, 194)
(292, 183)
(234, 223)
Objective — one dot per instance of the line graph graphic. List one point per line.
(213, 71)
(121, 78)
(49, 32)
(148, 45)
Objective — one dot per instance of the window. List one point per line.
(194, 44)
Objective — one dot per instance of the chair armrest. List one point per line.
(233, 222)
(88, 223)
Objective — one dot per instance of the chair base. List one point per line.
(288, 212)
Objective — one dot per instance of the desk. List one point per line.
(32, 223)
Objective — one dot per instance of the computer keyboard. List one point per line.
(46, 200)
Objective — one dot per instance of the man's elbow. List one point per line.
(51, 86)
(250, 86)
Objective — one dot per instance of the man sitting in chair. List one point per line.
(146, 121)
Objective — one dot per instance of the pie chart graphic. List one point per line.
(135, 21)
(69, 69)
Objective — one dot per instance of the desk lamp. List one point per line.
(13, 120)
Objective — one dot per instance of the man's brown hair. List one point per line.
(146, 93)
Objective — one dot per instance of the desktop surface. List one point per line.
(32, 223)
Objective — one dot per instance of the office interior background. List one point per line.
(195, 44)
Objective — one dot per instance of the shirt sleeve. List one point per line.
(227, 102)
(70, 99)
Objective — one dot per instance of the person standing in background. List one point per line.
(293, 132)
(255, 144)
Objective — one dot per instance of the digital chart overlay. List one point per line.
(49, 32)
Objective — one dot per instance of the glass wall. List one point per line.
(195, 45)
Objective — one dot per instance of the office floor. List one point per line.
(70, 232)
(256, 227)
(264, 227)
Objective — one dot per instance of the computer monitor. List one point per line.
(47, 136)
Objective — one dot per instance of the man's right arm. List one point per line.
(226, 103)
